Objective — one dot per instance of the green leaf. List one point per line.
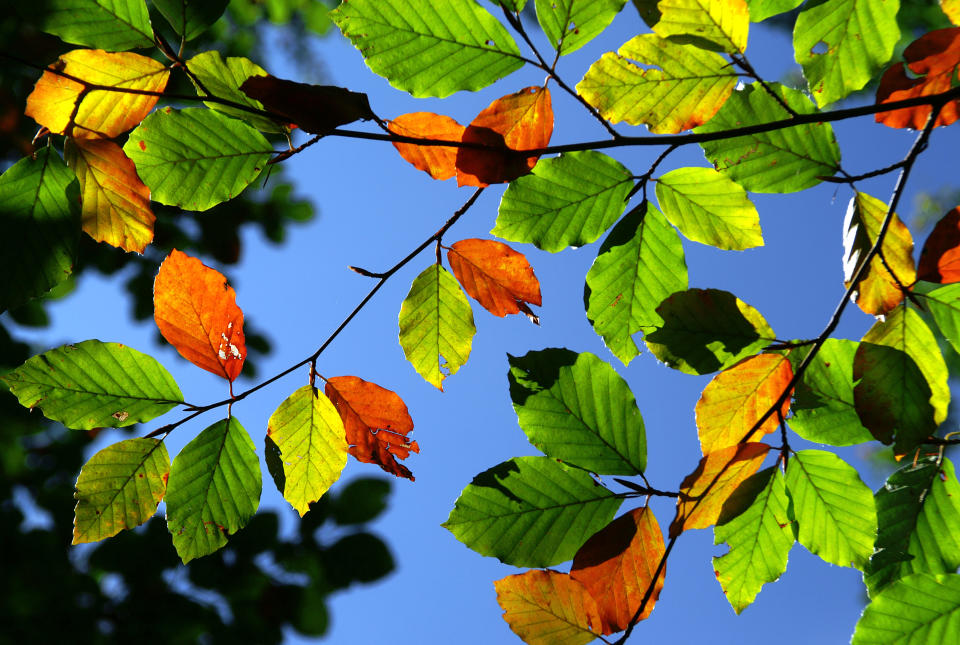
(918, 512)
(686, 91)
(190, 18)
(513, 5)
(707, 207)
(823, 408)
(718, 26)
(781, 161)
(531, 511)
(639, 264)
(944, 305)
(835, 512)
(311, 438)
(760, 10)
(214, 489)
(430, 48)
(755, 523)
(39, 226)
(119, 488)
(576, 408)
(94, 385)
(842, 44)
(570, 24)
(706, 330)
(113, 25)
(921, 609)
(568, 200)
(436, 325)
(223, 78)
(196, 158)
(361, 501)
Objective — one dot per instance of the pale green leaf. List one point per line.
(223, 78)
(190, 18)
(113, 25)
(944, 305)
(570, 24)
(920, 609)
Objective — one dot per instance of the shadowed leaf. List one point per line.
(316, 109)
(110, 24)
(921, 608)
(222, 77)
(190, 18)
(940, 257)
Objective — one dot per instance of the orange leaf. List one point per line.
(115, 204)
(933, 60)
(317, 109)
(520, 121)
(737, 397)
(940, 257)
(376, 421)
(617, 564)
(440, 162)
(101, 114)
(496, 276)
(197, 312)
(721, 471)
(548, 608)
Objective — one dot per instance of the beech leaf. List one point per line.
(317, 109)
(940, 257)
(548, 608)
(440, 162)
(496, 276)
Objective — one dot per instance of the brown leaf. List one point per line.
(317, 109)
(440, 162)
(940, 257)
(496, 276)
(548, 608)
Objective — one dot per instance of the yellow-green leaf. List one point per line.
(548, 608)
(709, 24)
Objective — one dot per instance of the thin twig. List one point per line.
(742, 62)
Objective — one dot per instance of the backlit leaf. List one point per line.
(307, 430)
(834, 510)
(877, 292)
(214, 489)
(570, 24)
(429, 48)
(576, 408)
(436, 325)
(222, 77)
(736, 398)
(496, 276)
(952, 10)
(686, 91)
(760, 10)
(101, 114)
(190, 18)
(718, 26)
(781, 161)
(918, 513)
(706, 330)
(920, 609)
(196, 158)
(617, 564)
(944, 306)
(316, 109)
(39, 226)
(704, 491)
(92, 385)
(841, 44)
(440, 162)
(377, 423)
(196, 311)
(119, 488)
(115, 204)
(548, 608)
(531, 511)
(940, 257)
(756, 525)
(110, 24)
(519, 121)
(707, 207)
(932, 62)
(568, 200)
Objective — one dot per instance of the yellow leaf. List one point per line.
(720, 25)
(952, 9)
(548, 608)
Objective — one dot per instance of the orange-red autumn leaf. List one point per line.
(519, 121)
(737, 397)
(376, 421)
(940, 257)
(317, 109)
(101, 114)
(496, 276)
(721, 471)
(440, 162)
(197, 312)
(617, 564)
(548, 608)
(933, 60)
(115, 204)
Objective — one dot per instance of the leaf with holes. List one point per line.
(496, 276)
(570, 24)
(548, 608)
(440, 162)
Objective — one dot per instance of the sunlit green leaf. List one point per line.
(114, 25)
(760, 10)
(223, 78)
(190, 18)
(944, 305)
(570, 24)
(920, 609)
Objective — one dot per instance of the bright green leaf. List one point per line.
(568, 200)
(834, 510)
(114, 25)
(781, 161)
(639, 264)
(436, 325)
(190, 18)
(119, 488)
(576, 408)
(920, 609)
(223, 78)
(428, 47)
(196, 158)
(760, 10)
(311, 438)
(944, 305)
(94, 385)
(570, 24)
(707, 207)
(214, 489)
(39, 226)
(531, 511)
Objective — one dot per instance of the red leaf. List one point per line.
(940, 257)
(440, 162)
(496, 276)
(317, 109)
